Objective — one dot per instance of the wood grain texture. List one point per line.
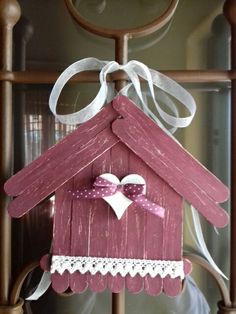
(154, 230)
(95, 231)
(42, 166)
(172, 236)
(136, 230)
(76, 161)
(62, 233)
(168, 168)
(176, 154)
(117, 245)
(99, 225)
(80, 228)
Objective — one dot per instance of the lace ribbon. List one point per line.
(114, 266)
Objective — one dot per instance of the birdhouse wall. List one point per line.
(90, 228)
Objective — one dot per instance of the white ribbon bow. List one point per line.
(134, 69)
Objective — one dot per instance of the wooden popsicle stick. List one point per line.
(65, 170)
(80, 229)
(58, 153)
(172, 237)
(117, 245)
(99, 225)
(61, 234)
(154, 231)
(156, 158)
(60, 282)
(176, 154)
(136, 228)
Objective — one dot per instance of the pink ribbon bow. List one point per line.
(135, 192)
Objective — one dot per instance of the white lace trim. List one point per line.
(114, 266)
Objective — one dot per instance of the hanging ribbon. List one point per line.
(134, 70)
(42, 287)
(120, 195)
(198, 239)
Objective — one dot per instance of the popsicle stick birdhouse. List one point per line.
(119, 183)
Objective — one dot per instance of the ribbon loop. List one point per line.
(134, 189)
(134, 70)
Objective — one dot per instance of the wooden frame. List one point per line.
(10, 13)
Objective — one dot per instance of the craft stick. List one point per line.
(80, 229)
(57, 154)
(155, 156)
(117, 244)
(136, 228)
(62, 172)
(99, 225)
(154, 230)
(61, 234)
(172, 236)
(172, 151)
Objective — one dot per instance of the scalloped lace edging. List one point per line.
(114, 266)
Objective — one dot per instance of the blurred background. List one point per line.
(46, 38)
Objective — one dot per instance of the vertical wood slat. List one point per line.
(80, 229)
(62, 233)
(117, 245)
(99, 225)
(154, 231)
(136, 228)
(172, 237)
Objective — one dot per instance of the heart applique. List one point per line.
(120, 194)
(118, 201)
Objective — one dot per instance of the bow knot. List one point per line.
(129, 192)
(167, 90)
(128, 189)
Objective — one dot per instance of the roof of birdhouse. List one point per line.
(119, 121)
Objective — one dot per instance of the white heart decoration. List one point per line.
(119, 202)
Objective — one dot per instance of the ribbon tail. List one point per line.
(153, 208)
(200, 241)
(94, 193)
(158, 211)
(42, 287)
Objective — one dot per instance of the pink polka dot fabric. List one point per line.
(135, 192)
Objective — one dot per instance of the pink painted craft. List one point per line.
(91, 247)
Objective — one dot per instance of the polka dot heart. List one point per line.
(120, 194)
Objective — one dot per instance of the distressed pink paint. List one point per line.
(120, 140)
(117, 245)
(61, 242)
